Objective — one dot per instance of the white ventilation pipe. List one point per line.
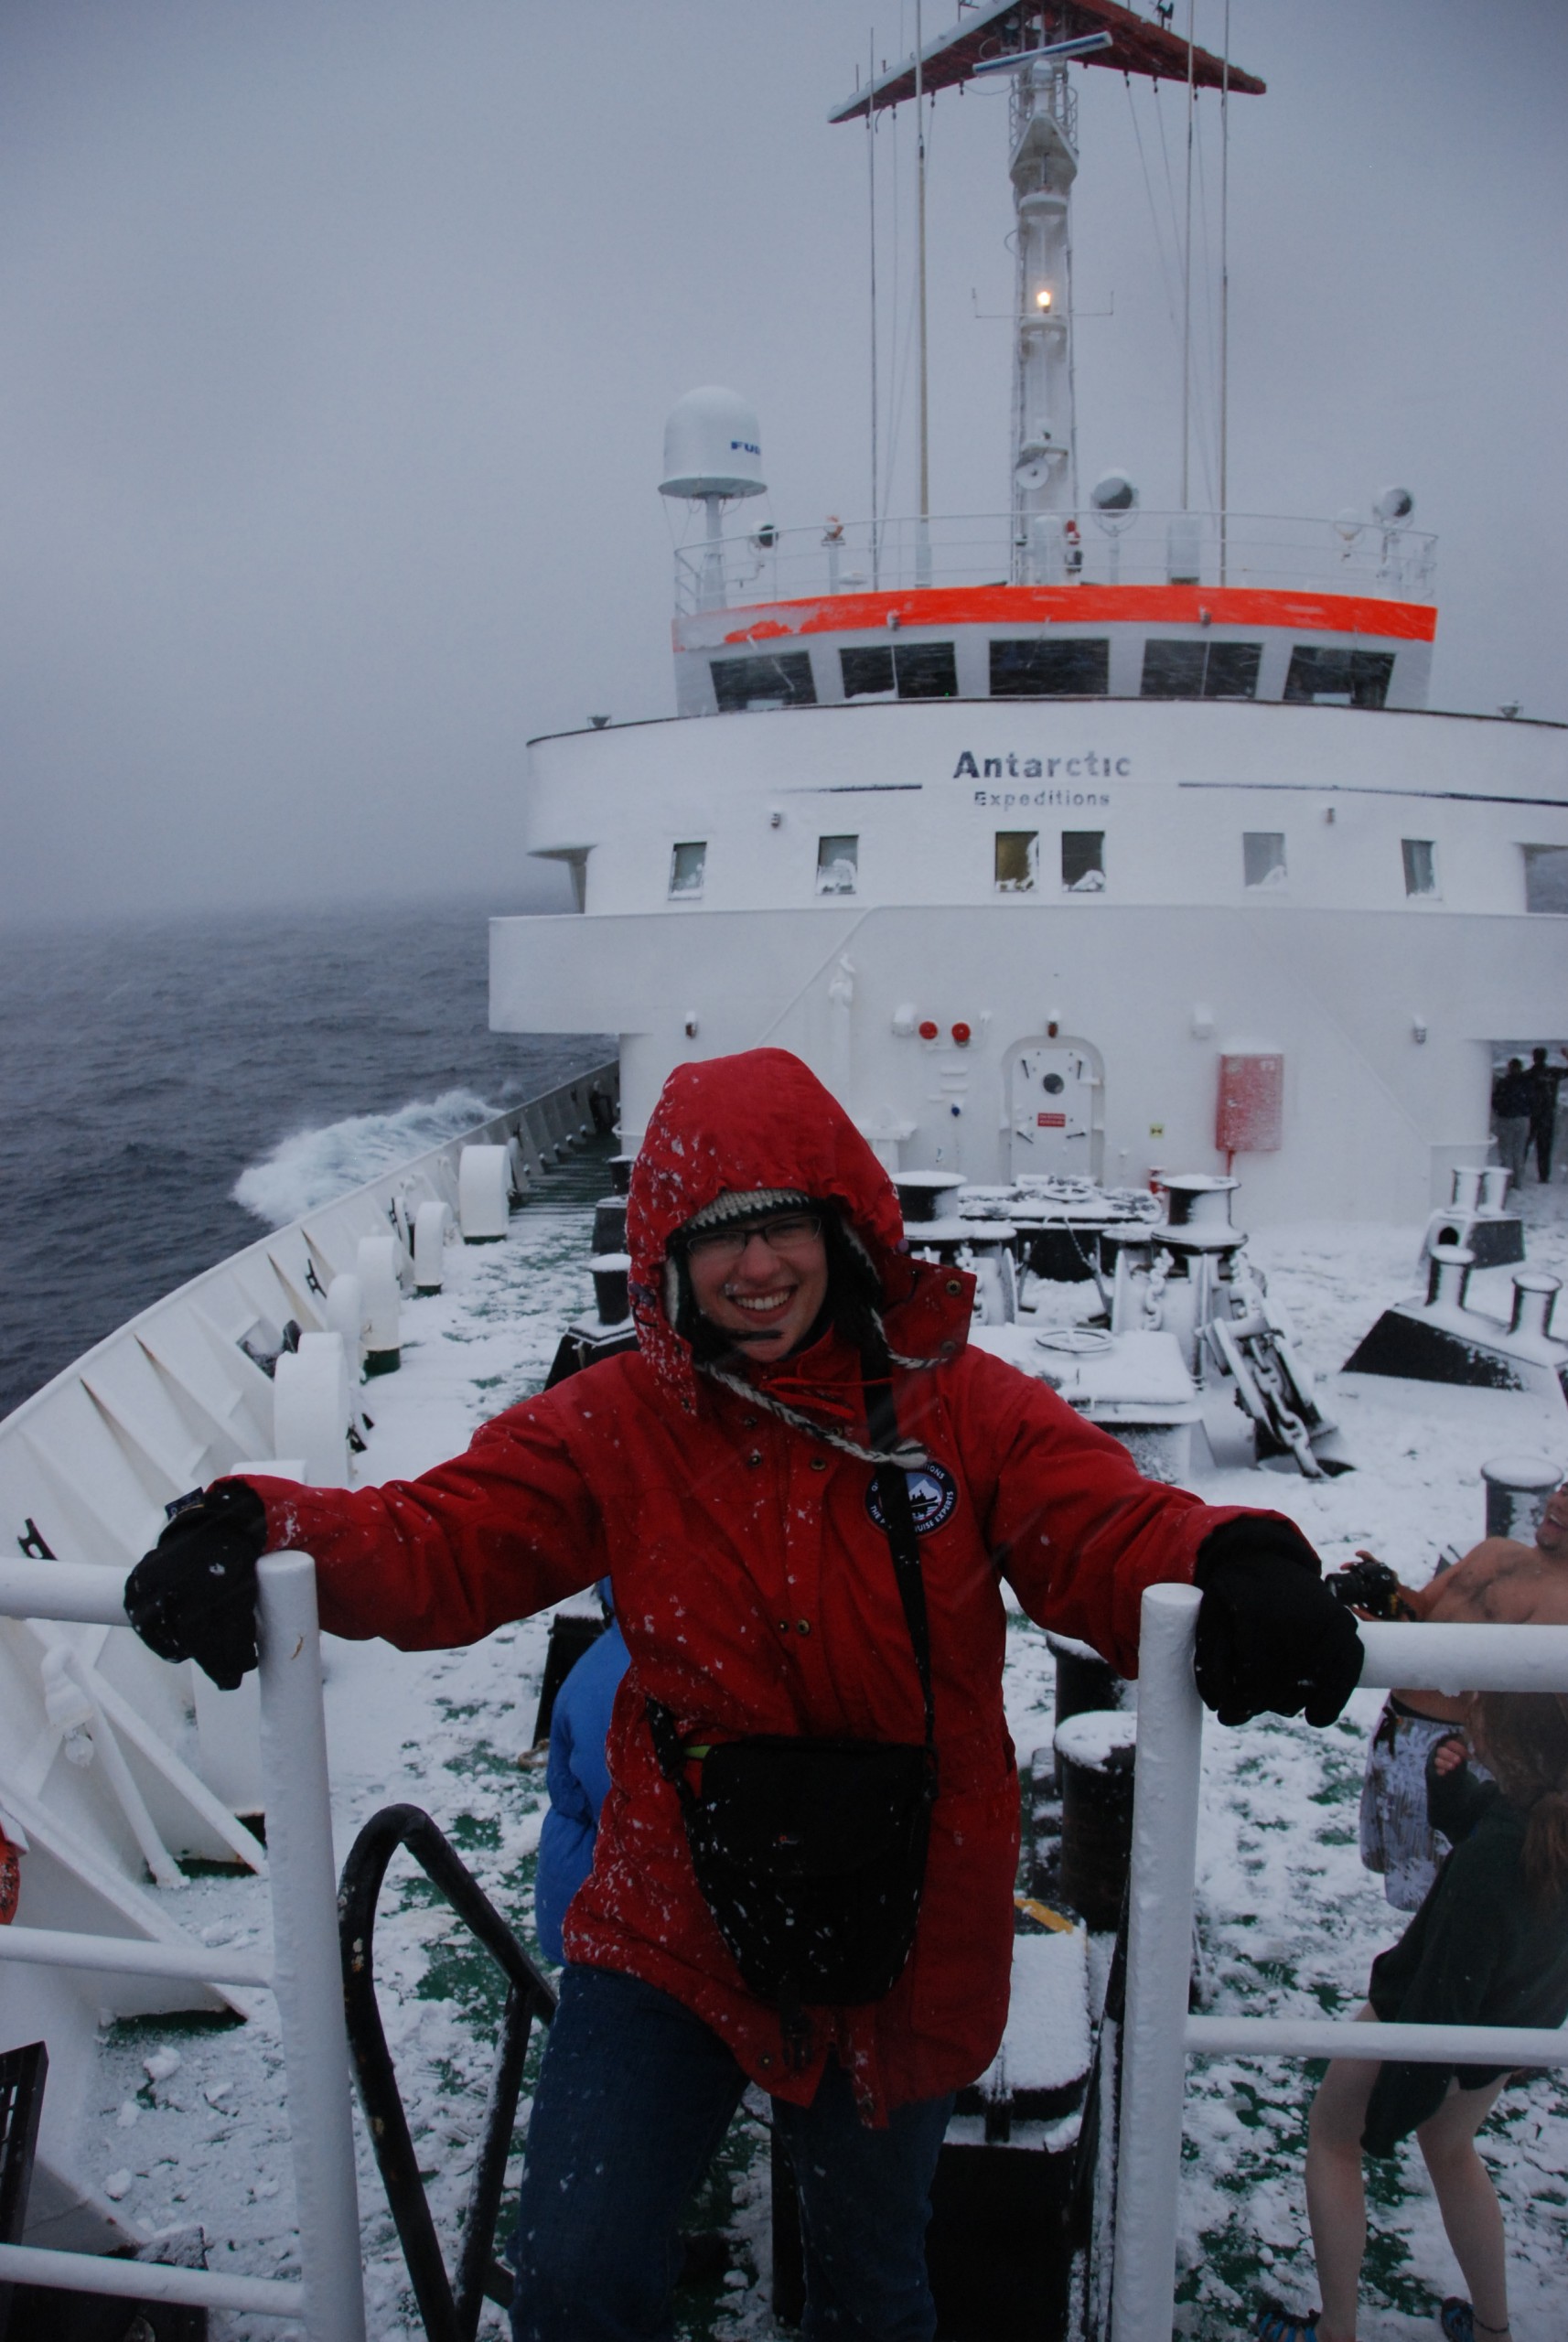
(430, 1224)
(312, 1408)
(382, 1299)
(484, 1192)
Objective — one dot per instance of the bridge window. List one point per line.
(1264, 858)
(687, 863)
(1068, 667)
(1083, 861)
(1420, 866)
(781, 679)
(1546, 877)
(914, 670)
(1339, 678)
(838, 862)
(1017, 861)
(1200, 670)
(866, 670)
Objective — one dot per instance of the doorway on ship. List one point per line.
(1054, 1092)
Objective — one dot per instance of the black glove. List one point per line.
(1269, 1634)
(194, 1596)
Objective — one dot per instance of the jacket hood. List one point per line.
(745, 1124)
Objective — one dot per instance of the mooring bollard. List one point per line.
(1096, 1755)
(1517, 1489)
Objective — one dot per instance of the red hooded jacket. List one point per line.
(755, 1589)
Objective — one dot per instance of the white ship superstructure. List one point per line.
(1073, 839)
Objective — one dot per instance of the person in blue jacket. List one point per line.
(577, 1778)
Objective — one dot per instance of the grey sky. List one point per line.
(339, 337)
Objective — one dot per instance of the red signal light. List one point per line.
(927, 1030)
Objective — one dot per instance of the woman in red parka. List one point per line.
(727, 1477)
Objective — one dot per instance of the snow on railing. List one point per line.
(304, 1974)
(1159, 2036)
(1242, 549)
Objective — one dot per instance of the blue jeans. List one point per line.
(634, 2094)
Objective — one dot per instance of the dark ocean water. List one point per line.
(144, 1068)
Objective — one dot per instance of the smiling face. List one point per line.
(1551, 1536)
(767, 1297)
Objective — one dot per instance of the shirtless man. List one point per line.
(1500, 1582)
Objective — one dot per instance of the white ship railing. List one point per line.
(1159, 2035)
(766, 564)
(304, 1974)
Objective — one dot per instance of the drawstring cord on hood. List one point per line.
(909, 1455)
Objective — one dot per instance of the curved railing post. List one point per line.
(1159, 1965)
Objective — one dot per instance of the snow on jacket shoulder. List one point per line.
(754, 1586)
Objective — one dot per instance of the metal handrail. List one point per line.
(302, 1974)
(1160, 2034)
(448, 2317)
(1247, 550)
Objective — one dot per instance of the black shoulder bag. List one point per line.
(810, 1855)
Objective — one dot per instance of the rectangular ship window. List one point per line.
(838, 862)
(780, 679)
(1200, 670)
(1420, 866)
(866, 670)
(1339, 678)
(1546, 877)
(1233, 671)
(1041, 667)
(1264, 858)
(686, 866)
(1017, 861)
(925, 669)
(1083, 861)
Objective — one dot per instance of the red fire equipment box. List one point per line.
(1251, 1104)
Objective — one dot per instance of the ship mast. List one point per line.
(1033, 42)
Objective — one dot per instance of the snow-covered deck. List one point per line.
(1289, 1920)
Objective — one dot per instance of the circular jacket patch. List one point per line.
(933, 1494)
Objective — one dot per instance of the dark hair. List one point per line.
(1522, 1739)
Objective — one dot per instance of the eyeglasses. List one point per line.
(792, 1232)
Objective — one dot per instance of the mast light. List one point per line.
(1042, 298)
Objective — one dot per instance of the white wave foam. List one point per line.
(310, 1167)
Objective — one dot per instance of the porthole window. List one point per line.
(1083, 861)
(687, 863)
(838, 864)
(1264, 858)
(1017, 861)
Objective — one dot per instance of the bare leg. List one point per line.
(1335, 2193)
(1468, 2203)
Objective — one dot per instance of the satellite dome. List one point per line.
(713, 447)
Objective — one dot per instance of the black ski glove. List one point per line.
(194, 1596)
(1269, 1634)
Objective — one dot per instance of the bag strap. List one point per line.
(898, 1522)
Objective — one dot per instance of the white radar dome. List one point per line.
(713, 447)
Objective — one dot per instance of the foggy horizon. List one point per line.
(341, 345)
